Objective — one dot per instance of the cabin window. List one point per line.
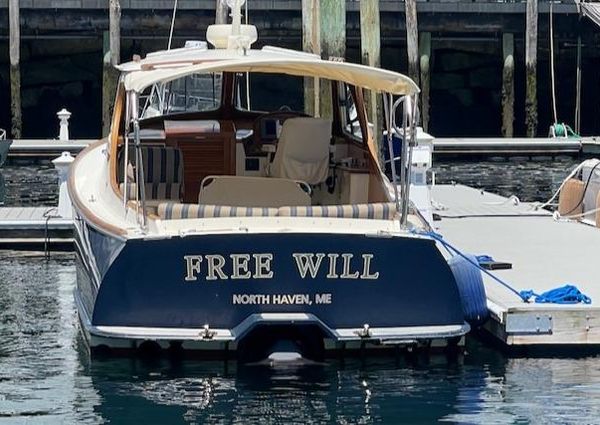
(269, 92)
(348, 113)
(193, 93)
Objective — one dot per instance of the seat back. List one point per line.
(303, 150)
(163, 172)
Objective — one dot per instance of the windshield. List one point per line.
(193, 93)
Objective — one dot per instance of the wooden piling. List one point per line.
(577, 122)
(221, 13)
(412, 39)
(112, 55)
(531, 34)
(333, 45)
(370, 41)
(311, 43)
(15, 69)
(508, 85)
(425, 65)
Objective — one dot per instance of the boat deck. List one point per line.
(34, 228)
(544, 253)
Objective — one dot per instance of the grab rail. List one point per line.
(407, 129)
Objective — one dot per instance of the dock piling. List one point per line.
(531, 36)
(333, 45)
(370, 41)
(15, 68)
(425, 65)
(311, 43)
(412, 39)
(221, 13)
(508, 85)
(112, 53)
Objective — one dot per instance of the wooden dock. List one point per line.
(462, 147)
(45, 148)
(442, 147)
(544, 253)
(35, 228)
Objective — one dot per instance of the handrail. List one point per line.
(408, 132)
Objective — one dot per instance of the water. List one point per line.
(46, 375)
(529, 180)
(27, 184)
(35, 184)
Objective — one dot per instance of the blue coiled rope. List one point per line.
(568, 294)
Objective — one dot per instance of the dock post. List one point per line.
(333, 45)
(425, 65)
(112, 52)
(578, 84)
(508, 85)
(531, 34)
(412, 39)
(15, 68)
(311, 43)
(221, 12)
(62, 164)
(63, 116)
(370, 41)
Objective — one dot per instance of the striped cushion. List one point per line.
(162, 164)
(172, 211)
(379, 211)
(154, 190)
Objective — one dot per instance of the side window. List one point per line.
(348, 113)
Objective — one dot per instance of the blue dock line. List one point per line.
(568, 294)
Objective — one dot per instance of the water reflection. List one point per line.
(209, 393)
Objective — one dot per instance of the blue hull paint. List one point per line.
(142, 282)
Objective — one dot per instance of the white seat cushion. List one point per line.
(253, 191)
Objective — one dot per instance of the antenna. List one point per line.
(172, 25)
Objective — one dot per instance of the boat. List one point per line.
(255, 230)
(579, 195)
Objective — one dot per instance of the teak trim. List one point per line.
(113, 140)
